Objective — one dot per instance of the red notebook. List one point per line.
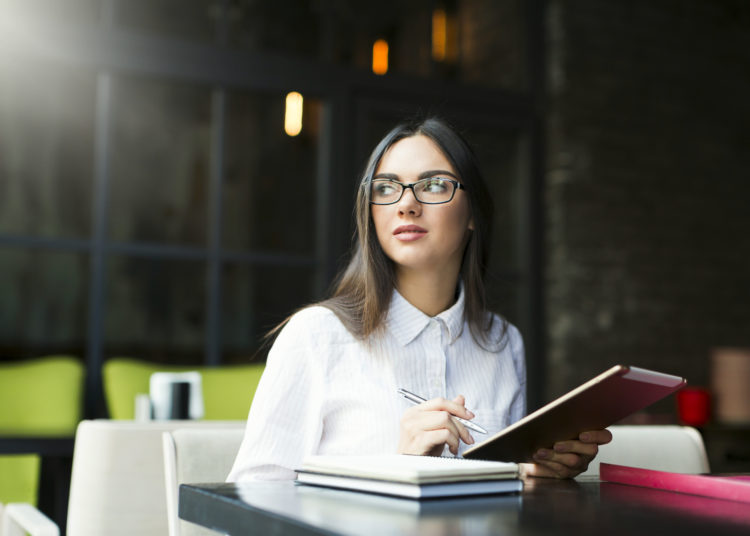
(732, 488)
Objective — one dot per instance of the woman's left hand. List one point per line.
(567, 459)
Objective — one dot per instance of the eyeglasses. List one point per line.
(430, 191)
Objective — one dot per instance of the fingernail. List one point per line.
(542, 453)
(471, 440)
(559, 447)
(585, 436)
(471, 415)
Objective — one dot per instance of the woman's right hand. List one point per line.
(429, 426)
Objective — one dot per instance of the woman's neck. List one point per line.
(430, 292)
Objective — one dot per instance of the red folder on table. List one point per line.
(732, 488)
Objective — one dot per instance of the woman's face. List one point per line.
(412, 234)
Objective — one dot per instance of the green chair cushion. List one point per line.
(41, 397)
(20, 478)
(38, 397)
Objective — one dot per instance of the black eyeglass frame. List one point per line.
(404, 185)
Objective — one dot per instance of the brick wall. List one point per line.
(647, 185)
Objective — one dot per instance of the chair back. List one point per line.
(41, 397)
(196, 455)
(117, 482)
(22, 519)
(38, 397)
(227, 390)
(677, 449)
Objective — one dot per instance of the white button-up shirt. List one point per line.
(326, 392)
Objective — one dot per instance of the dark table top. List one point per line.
(546, 506)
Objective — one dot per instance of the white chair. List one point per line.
(196, 455)
(19, 519)
(678, 449)
(117, 482)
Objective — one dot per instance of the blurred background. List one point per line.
(178, 176)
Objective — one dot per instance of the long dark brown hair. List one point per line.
(363, 290)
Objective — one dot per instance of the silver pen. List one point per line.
(416, 399)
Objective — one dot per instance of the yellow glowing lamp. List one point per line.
(439, 34)
(380, 56)
(444, 36)
(293, 114)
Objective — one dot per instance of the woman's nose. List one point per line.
(408, 203)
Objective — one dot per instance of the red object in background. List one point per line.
(694, 406)
(731, 488)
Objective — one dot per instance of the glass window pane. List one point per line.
(291, 27)
(170, 18)
(256, 299)
(270, 183)
(160, 162)
(492, 43)
(44, 302)
(73, 11)
(46, 148)
(477, 42)
(404, 26)
(155, 309)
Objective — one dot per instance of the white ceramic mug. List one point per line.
(176, 395)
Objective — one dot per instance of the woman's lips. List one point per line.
(409, 233)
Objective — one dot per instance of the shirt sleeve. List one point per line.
(518, 405)
(285, 420)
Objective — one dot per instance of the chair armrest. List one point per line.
(21, 518)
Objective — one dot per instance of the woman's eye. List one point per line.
(435, 186)
(384, 189)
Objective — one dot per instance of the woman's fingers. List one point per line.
(600, 437)
(547, 469)
(435, 420)
(455, 407)
(578, 447)
(569, 458)
(574, 461)
(428, 427)
(428, 434)
(439, 438)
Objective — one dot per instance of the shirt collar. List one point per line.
(406, 322)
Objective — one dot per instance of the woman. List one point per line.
(408, 312)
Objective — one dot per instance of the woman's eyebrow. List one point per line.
(423, 175)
